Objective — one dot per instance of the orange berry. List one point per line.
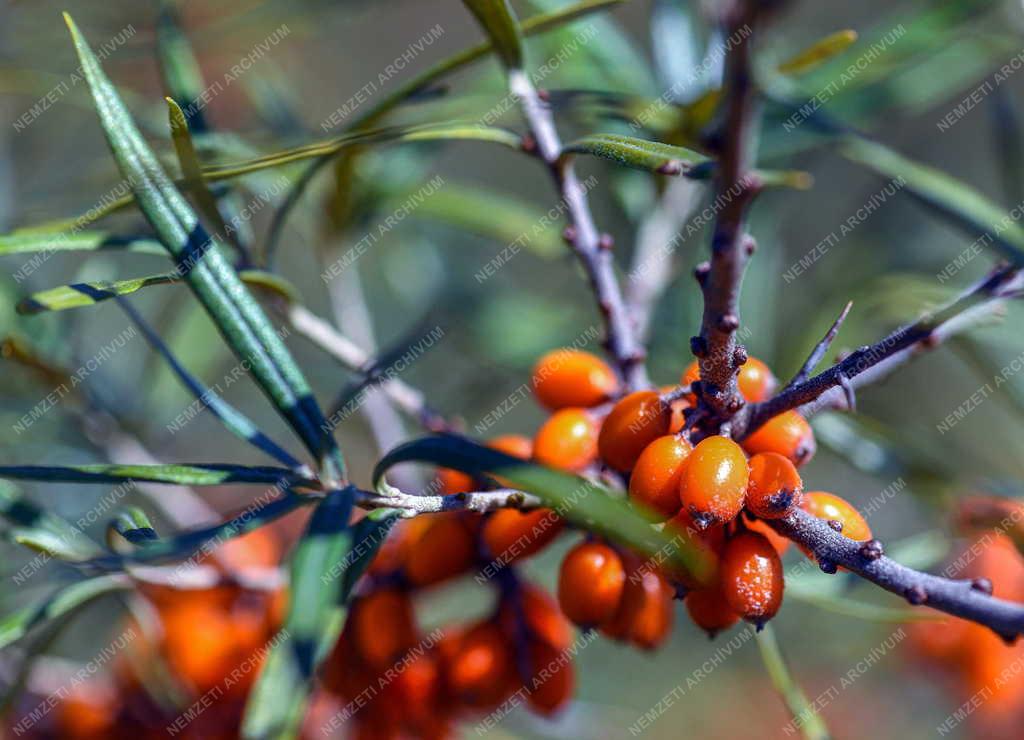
(774, 487)
(655, 478)
(256, 549)
(710, 611)
(645, 613)
(86, 713)
(788, 434)
(454, 481)
(515, 445)
(511, 534)
(755, 380)
(480, 669)
(633, 423)
(830, 507)
(383, 627)
(751, 577)
(418, 685)
(714, 482)
(551, 678)
(590, 583)
(683, 525)
(443, 548)
(567, 440)
(542, 616)
(571, 377)
(780, 543)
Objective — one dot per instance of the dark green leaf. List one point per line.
(639, 154)
(499, 22)
(34, 240)
(198, 474)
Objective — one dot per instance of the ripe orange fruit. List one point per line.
(645, 614)
(442, 548)
(567, 440)
(451, 481)
(788, 434)
(541, 616)
(480, 668)
(198, 642)
(516, 445)
(590, 583)
(780, 543)
(511, 534)
(755, 379)
(633, 423)
(383, 627)
(828, 506)
(655, 478)
(571, 377)
(709, 610)
(551, 678)
(751, 577)
(87, 712)
(774, 487)
(713, 485)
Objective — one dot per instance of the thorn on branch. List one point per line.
(848, 392)
(569, 234)
(701, 273)
(820, 348)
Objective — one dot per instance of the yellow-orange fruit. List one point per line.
(551, 678)
(751, 577)
(713, 486)
(567, 440)
(645, 614)
(540, 615)
(633, 423)
(383, 627)
(755, 380)
(511, 535)
(590, 583)
(516, 445)
(451, 481)
(86, 714)
(572, 377)
(780, 543)
(481, 668)
(788, 434)
(775, 487)
(709, 610)
(443, 548)
(830, 507)
(655, 478)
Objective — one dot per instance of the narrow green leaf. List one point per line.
(77, 295)
(41, 530)
(497, 19)
(956, 200)
(129, 529)
(819, 52)
(805, 716)
(573, 498)
(179, 67)
(29, 240)
(200, 259)
(316, 612)
(68, 598)
(198, 474)
(192, 168)
(640, 154)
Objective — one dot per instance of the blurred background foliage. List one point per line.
(422, 274)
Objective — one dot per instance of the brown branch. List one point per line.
(871, 363)
(819, 349)
(593, 249)
(716, 348)
(969, 599)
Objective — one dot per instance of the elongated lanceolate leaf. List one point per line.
(501, 26)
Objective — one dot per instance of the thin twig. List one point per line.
(716, 348)
(819, 349)
(962, 598)
(505, 498)
(591, 247)
(871, 363)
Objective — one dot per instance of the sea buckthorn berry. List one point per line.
(87, 713)
(682, 525)
(713, 486)
(572, 377)
(481, 667)
(780, 543)
(774, 488)
(633, 423)
(541, 616)
(444, 548)
(515, 445)
(511, 535)
(655, 478)
(567, 440)
(383, 627)
(755, 380)
(590, 583)
(551, 678)
(710, 611)
(450, 481)
(751, 577)
(830, 507)
(788, 434)
(645, 614)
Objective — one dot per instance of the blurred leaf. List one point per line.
(278, 701)
(805, 715)
(239, 317)
(862, 610)
(15, 626)
(38, 529)
(23, 241)
(500, 24)
(179, 68)
(192, 168)
(572, 497)
(954, 199)
(818, 52)
(198, 474)
(129, 529)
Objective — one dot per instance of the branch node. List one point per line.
(836, 525)
(827, 566)
(569, 234)
(672, 167)
(984, 585)
(916, 595)
(872, 550)
(728, 322)
(606, 242)
(698, 346)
